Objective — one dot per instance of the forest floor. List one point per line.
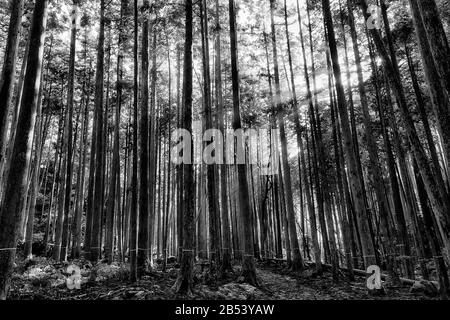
(43, 279)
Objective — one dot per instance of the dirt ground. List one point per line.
(43, 279)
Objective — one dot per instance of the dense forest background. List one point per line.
(91, 93)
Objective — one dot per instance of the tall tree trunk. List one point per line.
(316, 139)
(90, 191)
(68, 133)
(179, 168)
(248, 264)
(424, 117)
(297, 261)
(4, 166)
(309, 200)
(79, 199)
(226, 237)
(152, 141)
(296, 119)
(143, 147)
(375, 168)
(134, 195)
(439, 98)
(9, 69)
(432, 233)
(214, 240)
(355, 180)
(440, 203)
(437, 39)
(341, 198)
(56, 171)
(16, 179)
(61, 191)
(114, 200)
(185, 278)
(99, 161)
(35, 175)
